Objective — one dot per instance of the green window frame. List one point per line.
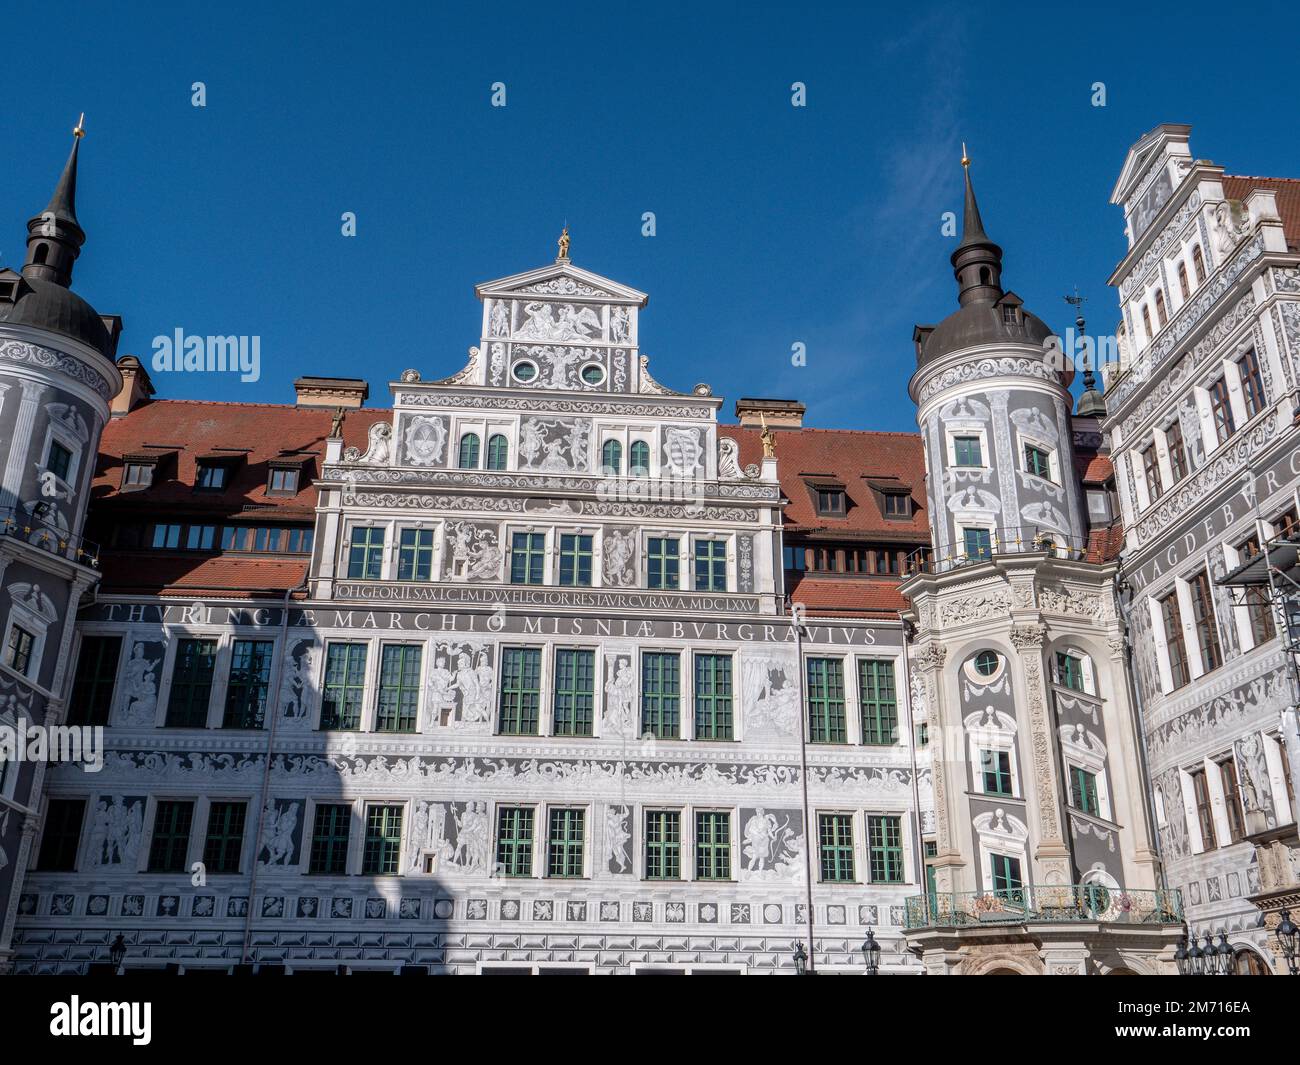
(224, 841)
(527, 558)
(712, 845)
(381, 853)
(515, 840)
(638, 455)
(18, 655)
(575, 688)
(415, 555)
(663, 845)
(1069, 671)
(714, 714)
(663, 562)
(398, 705)
(611, 457)
(170, 844)
(187, 703)
(835, 848)
(1083, 791)
(978, 544)
(331, 835)
(995, 768)
(521, 691)
(565, 839)
(967, 451)
(61, 835)
(885, 849)
(344, 689)
(96, 676)
(248, 688)
(710, 565)
(60, 460)
(1038, 462)
(366, 553)
(575, 560)
(661, 691)
(1006, 875)
(498, 452)
(878, 696)
(827, 722)
(468, 458)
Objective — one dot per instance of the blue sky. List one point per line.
(775, 224)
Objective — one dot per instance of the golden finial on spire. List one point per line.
(563, 242)
(80, 130)
(965, 159)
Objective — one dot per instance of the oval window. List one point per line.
(986, 663)
(593, 373)
(525, 371)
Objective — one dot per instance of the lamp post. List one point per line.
(1287, 936)
(1211, 955)
(1181, 959)
(800, 959)
(117, 953)
(1226, 955)
(871, 952)
(1195, 959)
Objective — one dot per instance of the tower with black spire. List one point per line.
(57, 380)
(1037, 788)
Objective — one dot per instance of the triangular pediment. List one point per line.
(1147, 151)
(561, 279)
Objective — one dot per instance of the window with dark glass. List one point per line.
(92, 686)
(611, 457)
(1146, 322)
(187, 704)
(897, 504)
(498, 452)
(710, 565)
(382, 847)
(1183, 287)
(986, 663)
(283, 480)
(662, 562)
(225, 836)
(575, 559)
(61, 835)
(138, 474)
(366, 553)
(661, 692)
(835, 848)
(1151, 472)
(831, 501)
(171, 836)
(1232, 800)
(827, 721)
(879, 699)
(1007, 881)
(527, 558)
(1176, 450)
(1173, 625)
(250, 679)
(330, 836)
(415, 555)
(399, 687)
(967, 451)
(1083, 791)
(713, 695)
(345, 682)
(712, 845)
(1161, 316)
(212, 475)
(566, 832)
(1252, 385)
(885, 850)
(978, 544)
(1286, 524)
(521, 694)
(1198, 264)
(515, 840)
(663, 845)
(1204, 814)
(1221, 410)
(575, 685)
(1037, 461)
(200, 537)
(1069, 670)
(1207, 631)
(995, 767)
(1256, 598)
(166, 536)
(59, 461)
(639, 459)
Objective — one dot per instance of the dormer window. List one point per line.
(897, 504)
(137, 475)
(212, 476)
(283, 480)
(831, 502)
(1009, 314)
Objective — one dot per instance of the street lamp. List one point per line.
(1181, 959)
(1195, 959)
(1226, 957)
(1211, 955)
(871, 952)
(117, 952)
(1287, 936)
(800, 959)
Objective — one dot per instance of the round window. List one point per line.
(986, 663)
(593, 373)
(525, 371)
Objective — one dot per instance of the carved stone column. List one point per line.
(929, 659)
(1051, 855)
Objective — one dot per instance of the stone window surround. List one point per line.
(998, 735)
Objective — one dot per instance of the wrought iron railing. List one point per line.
(1043, 902)
(984, 544)
(18, 523)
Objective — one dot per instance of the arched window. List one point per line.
(498, 451)
(1198, 264)
(469, 451)
(1183, 286)
(41, 251)
(639, 459)
(611, 457)
(1160, 308)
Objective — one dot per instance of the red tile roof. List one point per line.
(849, 596)
(1104, 545)
(1288, 200)
(1093, 468)
(227, 576)
(857, 460)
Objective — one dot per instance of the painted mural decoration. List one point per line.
(554, 445)
(620, 717)
(773, 848)
(472, 552)
(116, 831)
(461, 687)
(562, 321)
(281, 833)
(616, 839)
(137, 704)
(424, 437)
(295, 688)
(618, 561)
(455, 836)
(683, 451)
(772, 697)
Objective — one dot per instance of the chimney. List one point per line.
(778, 413)
(350, 392)
(136, 386)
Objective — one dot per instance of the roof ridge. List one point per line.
(278, 406)
(819, 429)
(1260, 177)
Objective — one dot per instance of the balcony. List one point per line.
(33, 531)
(993, 543)
(1053, 903)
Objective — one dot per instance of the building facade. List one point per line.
(1201, 417)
